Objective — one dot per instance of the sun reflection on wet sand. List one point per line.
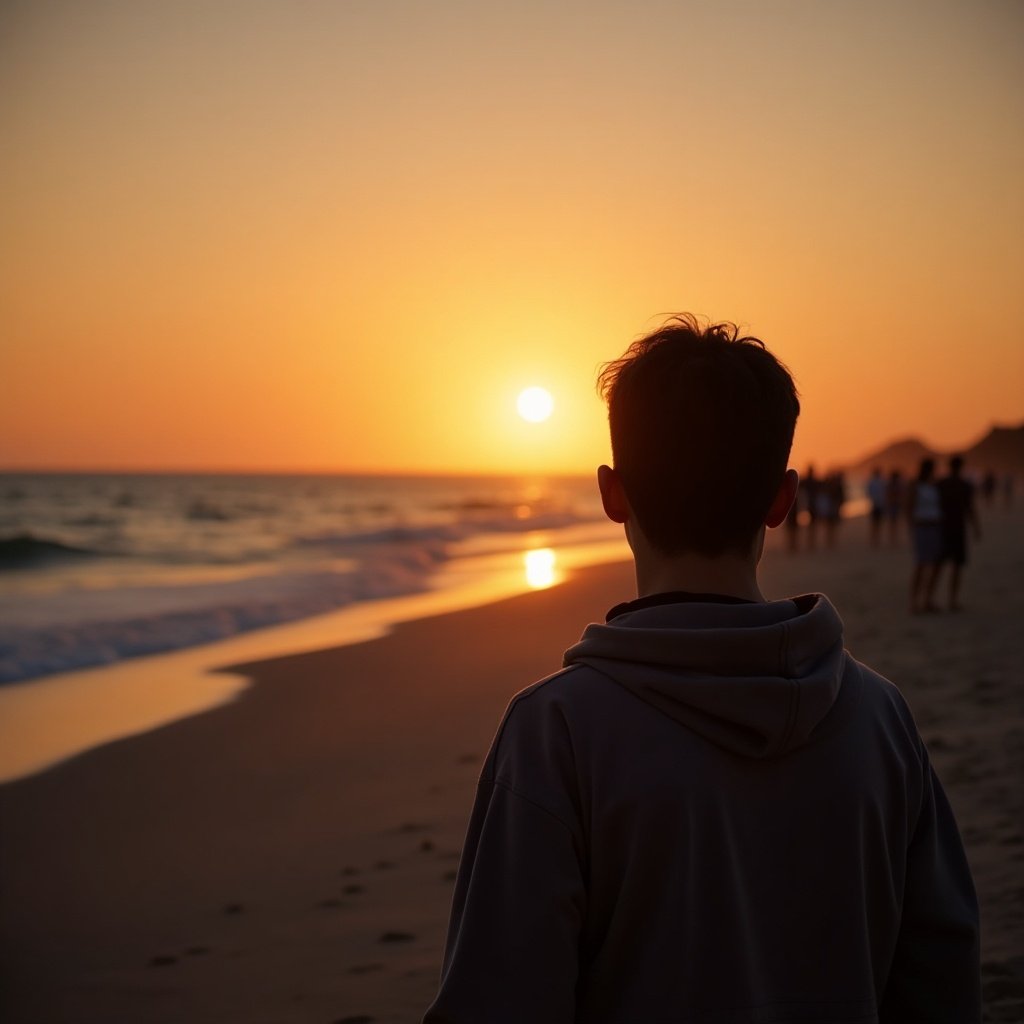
(539, 565)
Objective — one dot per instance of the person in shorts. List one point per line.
(926, 535)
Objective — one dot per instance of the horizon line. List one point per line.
(272, 471)
(185, 470)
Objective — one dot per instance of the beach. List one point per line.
(289, 856)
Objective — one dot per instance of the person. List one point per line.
(834, 489)
(956, 499)
(925, 512)
(988, 487)
(712, 812)
(877, 491)
(895, 505)
(810, 488)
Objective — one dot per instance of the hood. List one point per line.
(755, 679)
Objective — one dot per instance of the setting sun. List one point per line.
(535, 404)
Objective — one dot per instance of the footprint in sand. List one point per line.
(449, 876)
(365, 968)
(197, 950)
(349, 870)
(468, 759)
(352, 888)
(162, 961)
(234, 908)
(427, 846)
(359, 1018)
(414, 826)
(397, 937)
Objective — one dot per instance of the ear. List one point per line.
(613, 497)
(783, 500)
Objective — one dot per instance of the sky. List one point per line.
(344, 235)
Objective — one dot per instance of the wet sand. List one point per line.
(290, 856)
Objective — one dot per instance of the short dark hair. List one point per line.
(702, 423)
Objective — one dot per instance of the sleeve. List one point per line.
(517, 914)
(935, 975)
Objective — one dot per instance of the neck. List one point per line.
(732, 575)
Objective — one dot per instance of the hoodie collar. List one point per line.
(672, 597)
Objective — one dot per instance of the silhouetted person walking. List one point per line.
(834, 489)
(876, 490)
(895, 504)
(988, 487)
(810, 489)
(925, 510)
(956, 497)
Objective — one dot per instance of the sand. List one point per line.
(290, 856)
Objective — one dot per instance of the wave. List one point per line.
(87, 629)
(25, 551)
(444, 533)
(206, 511)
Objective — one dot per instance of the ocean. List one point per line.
(99, 568)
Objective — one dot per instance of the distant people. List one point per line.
(829, 495)
(810, 488)
(895, 504)
(988, 487)
(956, 498)
(1008, 485)
(877, 490)
(835, 490)
(925, 514)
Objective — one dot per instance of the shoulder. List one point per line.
(533, 754)
(565, 689)
(886, 707)
(544, 711)
(878, 689)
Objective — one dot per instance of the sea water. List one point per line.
(98, 568)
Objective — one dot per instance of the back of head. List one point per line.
(702, 424)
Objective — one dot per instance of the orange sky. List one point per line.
(344, 235)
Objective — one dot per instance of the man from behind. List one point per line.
(956, 498)
(712, 813)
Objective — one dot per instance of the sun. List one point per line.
(535, 404)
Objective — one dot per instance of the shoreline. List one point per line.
(53, 718)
